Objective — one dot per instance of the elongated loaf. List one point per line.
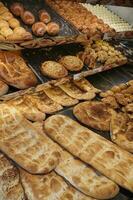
(49, 187)
(85, 178)
(10, 186)
(92, 148)
(21, 141)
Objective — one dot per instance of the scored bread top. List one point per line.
(82, 176)
(49, 187)
(10, 186)
(21, 141)
(92, 148)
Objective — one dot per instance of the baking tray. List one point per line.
(68, 33)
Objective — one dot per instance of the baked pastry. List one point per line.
(6, 31)
(73, 91)
(15, 72)
(94, 114)
(6, 16)
(44, 16)
(71, 63)
(3, 9)
(53, 69)
(17, 9)
(50, 186)
(39, 29)
(122, 130)
(59, 96)
(10, 186)
(27, 17)
(3, 23)
(112, 161)
(13, 23)
(53, 28)
(85, 178)
(24, 144)
(3, 88)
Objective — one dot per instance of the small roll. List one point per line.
(28, 18)
(17, 9)
(5, 31)
(13, 23)
(39, 29)
(7, 16)
(53, 28)
(44, 16)
(3, 23)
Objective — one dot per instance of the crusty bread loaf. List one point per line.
(85, 178)
(3, 88)
(92, 148)
(82, 176)
(95, 114)
(59, 96)
(23, 143)
(15, 72)
(73, 91)
(49, 187)
(10, 186)
(122, 130)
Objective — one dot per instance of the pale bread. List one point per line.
(122, 130)
(83, 177)
(14, 71)
(21, 141)
(3, 88)
(59, 96)
(49, 187)
(94, 114)
(92, 148)
(10, 186)
(27, 109)
(73, 91)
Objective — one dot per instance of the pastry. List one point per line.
(3, 88)
(6, 16)
(17, 9)
(53, 69)
(59, 96)
(71, 63)
(3, 23)
(39, 29)
(53, 28)
(10, 186)
(94, 114)
(3, 9)
(50, 186)
(44, 16)
(6, 31)
(27, 17)
(112, 161)
(15, 72)
(13, 23)
(73, 91)
(23, 143)
(122, 130)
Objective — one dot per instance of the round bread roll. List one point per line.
(7, 16)
(53, 69)
(44, 16)
(17, 9)
(13, 23)
(28, 18)
(72, 63)
(53, 28)
(6, 31)
(19, 30)
(39, 29)
(3, 88)
(3, 23)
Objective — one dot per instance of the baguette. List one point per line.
(49, 187)
(21, 141)
(103, 155)
(84, 178)
(10, 186)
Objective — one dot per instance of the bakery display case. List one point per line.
(66, 100)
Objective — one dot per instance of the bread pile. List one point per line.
(100, 53)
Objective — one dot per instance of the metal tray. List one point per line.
(68, 33)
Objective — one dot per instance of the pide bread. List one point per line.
(23, 143)
(103, 155)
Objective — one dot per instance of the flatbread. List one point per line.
(122, 130)
(14, 71)
(59, 96)
(21, 141)
(10, 186)
(94, 114)
(103, 155)
(49, 187)
(73, 91)
(83, 177)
